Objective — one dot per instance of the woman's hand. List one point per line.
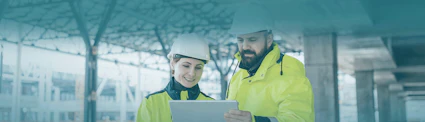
(238, 116)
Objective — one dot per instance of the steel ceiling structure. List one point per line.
(98, 29)
(139, 25)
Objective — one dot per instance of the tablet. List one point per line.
(200, 110)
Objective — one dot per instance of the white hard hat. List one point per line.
(251, 17)
(190, 45)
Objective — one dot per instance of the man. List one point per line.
(269, 86)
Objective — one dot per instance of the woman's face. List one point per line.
(187, 71)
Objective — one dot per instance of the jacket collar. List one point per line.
(174, 89)
(266, 63)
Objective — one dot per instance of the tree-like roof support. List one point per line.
(91, 56)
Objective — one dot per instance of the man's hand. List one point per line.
(238, 116)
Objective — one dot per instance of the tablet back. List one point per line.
(200, 110)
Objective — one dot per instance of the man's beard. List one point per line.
(249, 62)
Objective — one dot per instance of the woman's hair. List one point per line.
(176, 59)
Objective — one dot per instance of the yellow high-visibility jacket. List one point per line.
(279, 89)
(155, 107)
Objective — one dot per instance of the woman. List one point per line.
(188, 56)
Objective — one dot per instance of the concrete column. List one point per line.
(16, 92)
(320, 52)
(1, 66)
(117, 91)
(397, 104)
(41, 94)
(383, 102)
(56, 98)
(139, 81)
(394, 109)
(123, 100)
(402, 105)
(48, 99)
(398, 107)
(138, 93)
(365, 99)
